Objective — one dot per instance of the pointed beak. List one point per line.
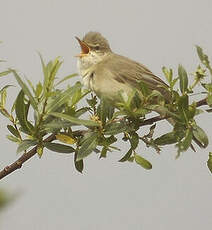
(84, 48)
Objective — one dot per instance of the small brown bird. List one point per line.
(107, 73)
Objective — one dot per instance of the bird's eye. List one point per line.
(97, 47)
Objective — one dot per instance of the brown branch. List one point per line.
(202, 102)
(152, 120)
(26, 156)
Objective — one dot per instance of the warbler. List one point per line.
(107, 73)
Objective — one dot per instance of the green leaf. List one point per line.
(105, 110)
(40, 150)
(134, 140)
(209, 162)
(60, 99)
(166, 139)
(200, 135)
(13, 139)
(88, 146)
(200, 53)
(183, 79)
(79, 165)
(174, 81)
(26, 90)
(60, 148)
(3, 94)
(75, 120)
(21, 110)
(50, 70)
(38, 89)
(192, 111)
(143, 162)
(66, 78)
(92, 102)
(168, 74)
(186, 142)
(127, 156)
(204, 58)
(102, 111)
(115, 128)
(183, 108)
(25, 144)
(104, 152)
(5, 73)
(56, 125)
(78, 94)
(31, 85)
(13, 130)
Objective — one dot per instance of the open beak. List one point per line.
(84, 48)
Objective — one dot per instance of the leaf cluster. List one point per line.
(44, 109)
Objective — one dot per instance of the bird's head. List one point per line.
(93, 44)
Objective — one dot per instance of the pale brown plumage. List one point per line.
(107, 73)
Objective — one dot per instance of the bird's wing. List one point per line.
(130, 72)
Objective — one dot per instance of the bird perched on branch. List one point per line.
(107, 73)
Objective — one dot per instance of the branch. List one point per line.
(202, 102)
(152, 120)
(26, 156)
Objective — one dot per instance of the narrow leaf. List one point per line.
(3, 94)
(60, 99)
(21, 110)
(25, 144)
(60, 148)
(166, 139)
(183, 79)
(186, 142)
(115, 128)
(13, 139)
(5, 73)
(200, 53)
(13, 130)
(57, 124)
(143, 162)
(75, 120)
(65, 139)
(126, 156)
(209, 162)
(103, 152)
(200, 135)
(26, 90)
(79, 165)
(88, 146)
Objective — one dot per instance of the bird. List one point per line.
(107, 73)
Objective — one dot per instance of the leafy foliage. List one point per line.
(58, 112)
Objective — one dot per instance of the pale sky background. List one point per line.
(175, 194)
